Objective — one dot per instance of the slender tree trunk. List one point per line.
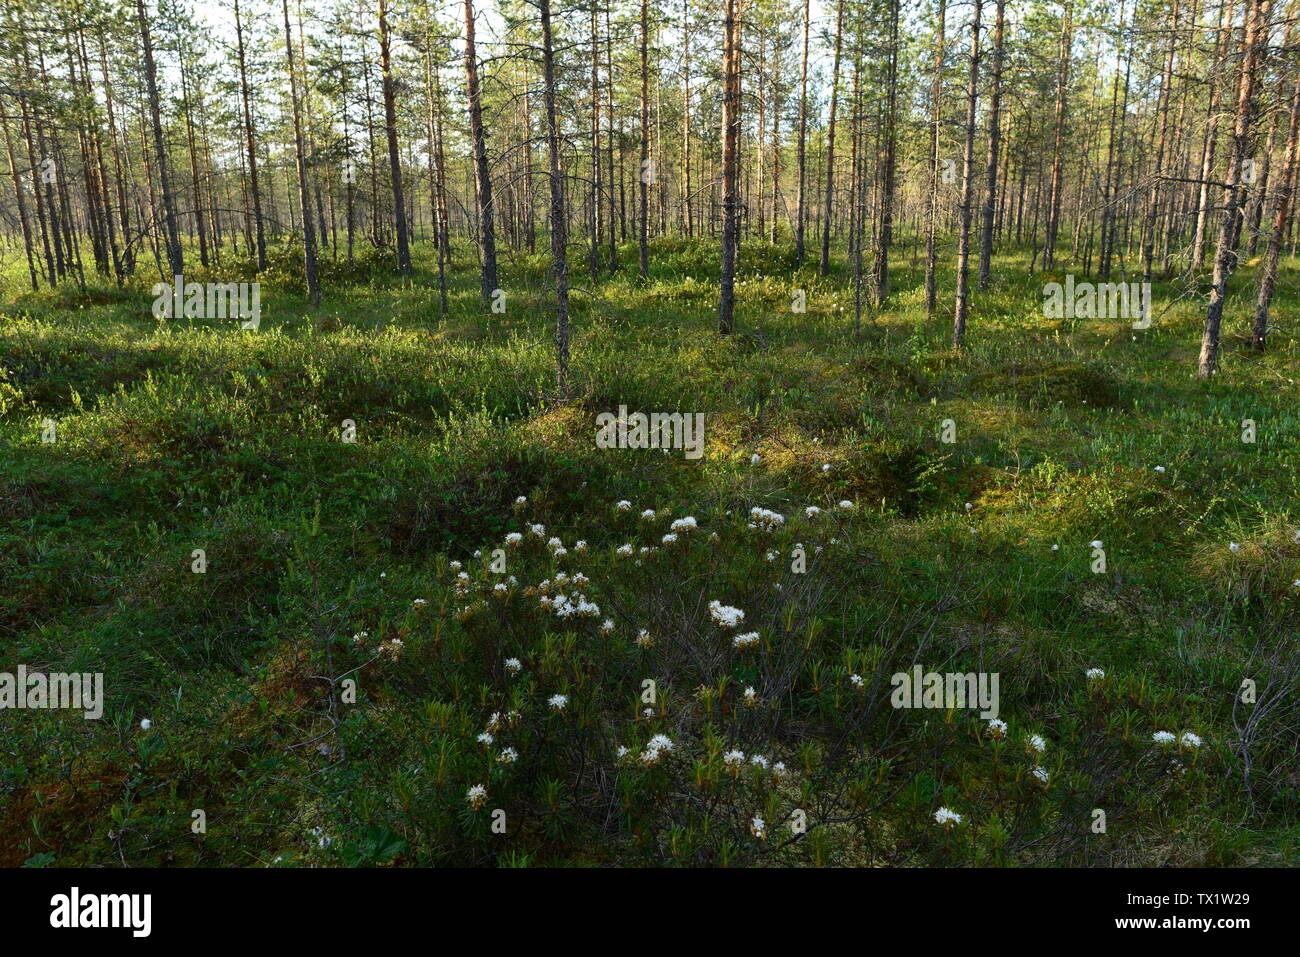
(886, 233)
(1114, 152)
(1211, 138)
(995, 132)
(967, 184)
(686, 118)
(1058, 143)
(830, 141)
(1281, 210)
(645, 172)
(1157, 170)
(731, 105)
(175, 259)
(1256, 13)
(394, 157)
(932, 197)
(486, 229)
(803, 139)
(196, 215)
(21, 203)
(559, 218)
(593, 215)
(300, 151)
(609, 142)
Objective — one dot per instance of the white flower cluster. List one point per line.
(748, 640)
(564, 607)
(765, 519)
(655, 749)
(725, 615)
(946, 818)
(1187, 740)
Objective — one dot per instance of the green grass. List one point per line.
(186, 434)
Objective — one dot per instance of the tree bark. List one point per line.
(967, 184)
(486, 229)
(1225, 254)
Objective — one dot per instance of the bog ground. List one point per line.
(329, 562)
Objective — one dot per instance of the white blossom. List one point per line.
(725, 615)
(945, 817)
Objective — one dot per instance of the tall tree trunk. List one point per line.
(1222, 43)
(21, 203)
(995, 132)
(730, 164)
(1114, 153)
(390, 127)
(488, 235)
(300, 152)
(559, 218)
(830, 141)
(803, 139)
(593, 214)
(967, 183)
(886, 233)
(1058, 142)
(1157, 169)
(932, 196)
(686, 119)
(609, 141)
(175, 259)
(646, 171)
(1256, 14)
(437, 172)
(196, 215)
(1281, 210)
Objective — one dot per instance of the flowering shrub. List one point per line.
(613, 710)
